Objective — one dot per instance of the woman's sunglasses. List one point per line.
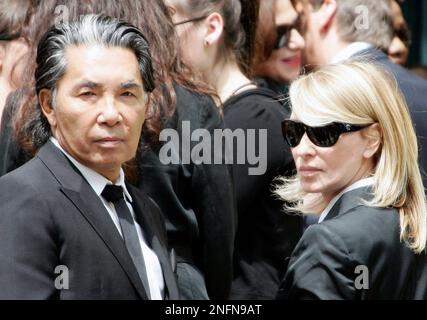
(284, 32)
(325, 136)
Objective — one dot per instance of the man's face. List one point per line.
(99, 109)
(311, 54)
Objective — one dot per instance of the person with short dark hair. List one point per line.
(70, 208)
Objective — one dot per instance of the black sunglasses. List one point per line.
(9, 36)
(190, 20)
(284, 32)
(325, 136)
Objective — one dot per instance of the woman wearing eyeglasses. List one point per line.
(356, 156)
(279, 45)
(217, 40)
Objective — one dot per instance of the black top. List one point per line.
(355, 254)
(198, 200)
(265, 235)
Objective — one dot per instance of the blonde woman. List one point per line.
(356, 153)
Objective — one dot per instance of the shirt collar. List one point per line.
(96, 181)
(350, 51)
(358, 184)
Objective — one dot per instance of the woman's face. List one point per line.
(284, 63)
(191, 36)
(329, 170)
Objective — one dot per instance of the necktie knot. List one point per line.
(112, 193)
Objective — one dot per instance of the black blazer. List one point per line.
(323, 265)
(414, 89)
(50, 216)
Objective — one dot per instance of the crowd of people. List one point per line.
(316, 89)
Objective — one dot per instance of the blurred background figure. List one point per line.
(398, 50)
(348, 119)
(279, 45)
(13, 47)
(420, 70)
(218, 41)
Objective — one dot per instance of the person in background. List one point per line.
(13, 47)
(279, 45)
(218, 41)
(420, 70)
(398, 51)
(356, 153)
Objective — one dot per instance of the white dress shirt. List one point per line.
(358, 184)
(350, 51)
(98, 183)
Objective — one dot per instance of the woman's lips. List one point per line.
(293, 62)
(308, 171)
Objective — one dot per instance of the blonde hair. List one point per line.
(360, 92)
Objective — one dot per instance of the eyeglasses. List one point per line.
(9, 36)
(325, 136)
(190, 20)
(284, 32)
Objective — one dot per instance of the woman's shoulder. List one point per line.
(257, 103)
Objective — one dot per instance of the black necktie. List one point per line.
(114, 194)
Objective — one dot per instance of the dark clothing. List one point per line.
(329, 260)
(11, 155)
(197, 199)
(50, 216)
(280, 88)
(414, 89)
(265, 235)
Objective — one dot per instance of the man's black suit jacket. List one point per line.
(354, 238)
(414, 88)
(50, 217)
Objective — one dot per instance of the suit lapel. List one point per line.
(348, 201)
(81, 194)
(145, 219)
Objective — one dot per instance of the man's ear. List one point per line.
(327, 14)
(373, 134)
(45, 100)
(215, 28)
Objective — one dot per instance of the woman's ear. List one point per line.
(45, 100)
(215, 28)
(373, 135)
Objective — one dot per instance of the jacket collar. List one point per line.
(350, 200)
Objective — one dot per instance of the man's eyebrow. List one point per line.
(87, 84)
(130, 85)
